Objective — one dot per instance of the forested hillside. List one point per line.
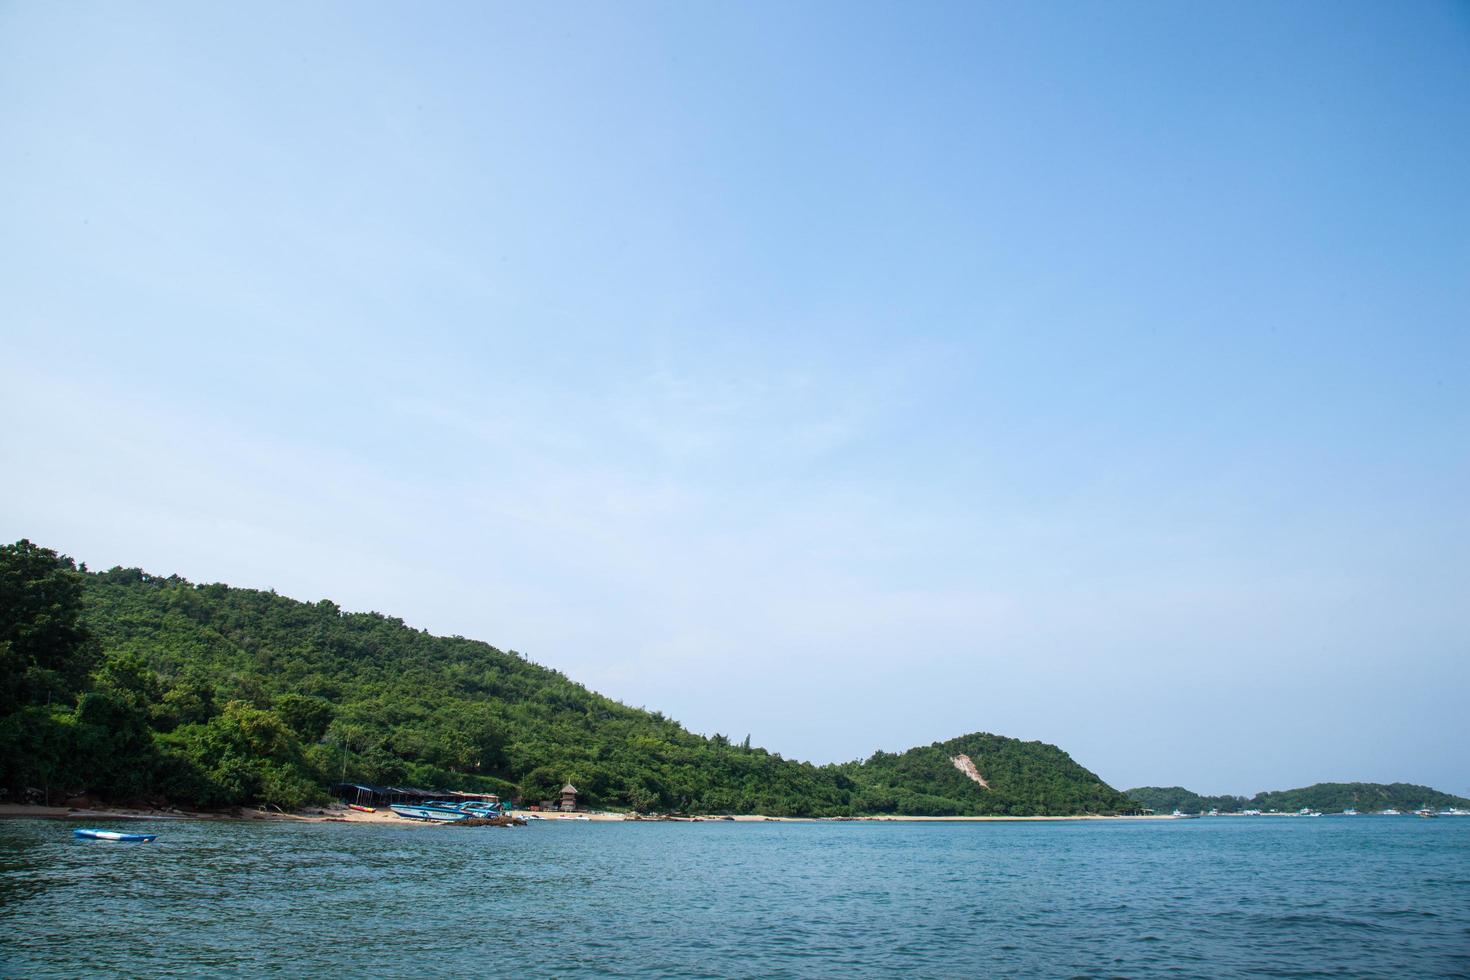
(133, 686)
(1021, 778)
(1167, 799)
(1326, 797)
(1366, 797)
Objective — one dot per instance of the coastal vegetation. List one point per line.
(1166, 799)
(131, 686)
(1023, 779)
(1324, 797)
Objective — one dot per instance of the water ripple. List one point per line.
(1230, 897)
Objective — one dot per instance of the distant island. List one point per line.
(1323, 797)
(130, 687)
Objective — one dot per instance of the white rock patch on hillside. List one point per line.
(964, 765)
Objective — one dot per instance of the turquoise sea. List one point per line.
(1272, 897)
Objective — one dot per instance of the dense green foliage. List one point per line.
(1167, 799)
(1025, 779)
(1325, 797)
(210, 695)
(1365, 797)
(44, 651)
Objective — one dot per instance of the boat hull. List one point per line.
(88, 834)
(428, 814)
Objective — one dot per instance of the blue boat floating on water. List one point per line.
(114, 835)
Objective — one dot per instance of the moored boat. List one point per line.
(481, 809)
(435, 811)
(89, 834)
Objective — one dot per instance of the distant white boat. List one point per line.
(1390, 812)
(1350, 812)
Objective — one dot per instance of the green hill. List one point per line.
(1326, 797)
(1024, 778)
(135, 686)
(1167, 799)
(1365, 797)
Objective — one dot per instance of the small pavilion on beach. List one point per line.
(568, 798)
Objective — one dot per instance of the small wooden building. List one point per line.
(568, 798)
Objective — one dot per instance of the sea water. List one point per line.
(1281, 897)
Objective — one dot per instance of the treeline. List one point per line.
(1365, 797)
(131, 686)
(1167, 799)
(1326, 797)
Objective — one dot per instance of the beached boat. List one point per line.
(89, 834)
(361, 809)
(481, 809)
(435, 811)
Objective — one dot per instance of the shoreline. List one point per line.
(385, 816)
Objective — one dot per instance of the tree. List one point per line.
(543, 783)
(306, 715)
(45, 652)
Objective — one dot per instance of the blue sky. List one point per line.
(854, 376)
